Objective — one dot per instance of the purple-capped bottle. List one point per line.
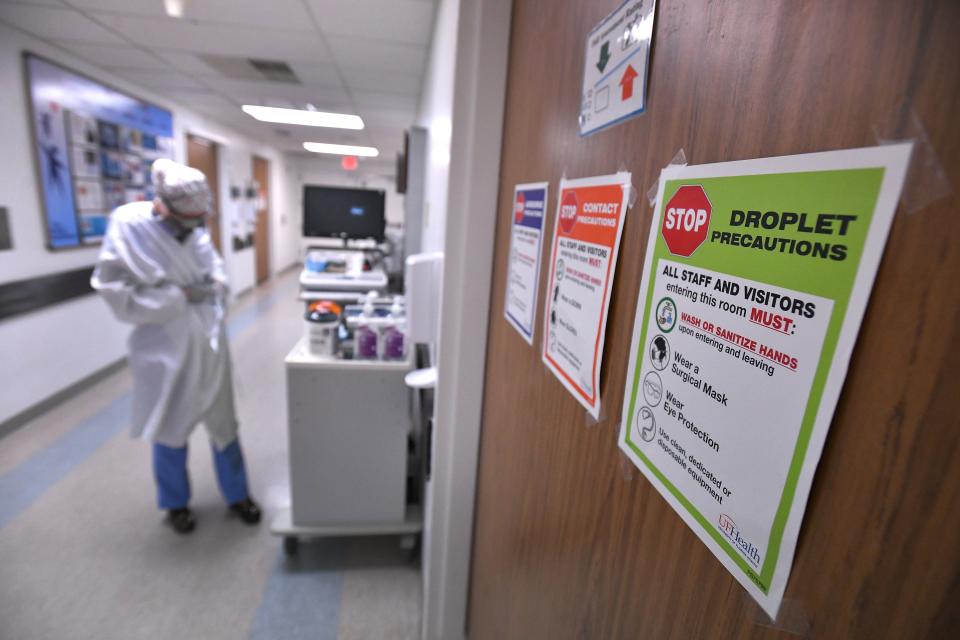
(366, 337)
(394, 338)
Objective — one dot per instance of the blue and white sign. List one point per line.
(523, 267)
(94, 146)
(615, 67)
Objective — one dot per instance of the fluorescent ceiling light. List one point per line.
(175, 8)
(304, 117)
(341, 149)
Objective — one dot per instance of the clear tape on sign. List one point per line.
(679, 160)
(589, 421)
(632, 194)
(626, 465)
(792, 618)
(926, 181)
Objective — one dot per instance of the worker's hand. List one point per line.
(198, 293)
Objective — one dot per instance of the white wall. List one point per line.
(48, 350)
(482, 33)
(436, 115)
(236, 215)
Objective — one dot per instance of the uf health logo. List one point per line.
(729, 528)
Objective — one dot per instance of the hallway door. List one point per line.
(261, 238)
(570, 541)
(202, 155)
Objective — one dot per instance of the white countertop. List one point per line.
(300, 357)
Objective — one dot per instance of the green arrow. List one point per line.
(604, 56)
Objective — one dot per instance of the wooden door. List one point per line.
(570, 541)
(261, 238)
(202, 155)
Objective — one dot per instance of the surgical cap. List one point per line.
(183, 189)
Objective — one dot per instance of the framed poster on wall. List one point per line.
(93, 147)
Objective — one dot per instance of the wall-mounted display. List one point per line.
(756, 278)
(94, 147)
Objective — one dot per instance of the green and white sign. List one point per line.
(755, 282)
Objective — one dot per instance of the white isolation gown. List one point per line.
(178, 350)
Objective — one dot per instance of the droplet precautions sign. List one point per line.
(754, 284)
(615, 66)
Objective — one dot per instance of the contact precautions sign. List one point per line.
(754, 286)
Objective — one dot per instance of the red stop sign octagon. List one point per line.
(686, 220)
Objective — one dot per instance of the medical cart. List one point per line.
(355, 460)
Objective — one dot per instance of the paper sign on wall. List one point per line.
(586, 238)
(523, 266)
(755, 282)
(615, 66)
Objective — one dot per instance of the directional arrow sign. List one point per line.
(604, 56)
(615, 65)
(626, 83)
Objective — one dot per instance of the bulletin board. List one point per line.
(93, 147)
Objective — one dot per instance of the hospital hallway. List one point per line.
(84, 551)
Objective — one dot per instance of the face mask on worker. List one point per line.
(186, 221)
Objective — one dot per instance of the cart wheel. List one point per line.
(290, 545)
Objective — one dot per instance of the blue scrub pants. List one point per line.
(173, 483)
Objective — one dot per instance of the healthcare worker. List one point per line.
(158, 270)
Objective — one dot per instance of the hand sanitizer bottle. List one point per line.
(393, 336)
(366, 336)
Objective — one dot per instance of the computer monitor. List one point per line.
(335, 212)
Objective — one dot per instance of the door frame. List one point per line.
(261, 245)
(483, 43)
(213, 225)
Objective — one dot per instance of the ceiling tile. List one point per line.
(378, 81)
(258, 92)
(317, 73)
(200, 99)
(59, 24)
(159, 80)
(152, 8)
(374, 100)
(188, 37)
(187, 62)
(275, 14)
(387, 117)
(116, 56)
(38, 3)
(355, 53)
(406, 21)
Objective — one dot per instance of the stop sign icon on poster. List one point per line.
(568, 211)
(686, 220)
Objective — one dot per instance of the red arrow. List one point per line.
(626, 83)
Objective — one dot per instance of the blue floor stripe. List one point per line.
(29, 480)
(26, 482)
(242, 320)
(302, 598)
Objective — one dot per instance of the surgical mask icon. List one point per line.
(659, 352)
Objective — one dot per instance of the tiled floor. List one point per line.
(84, 553)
